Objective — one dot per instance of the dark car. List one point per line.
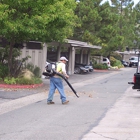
(126, 64)
(82, 68)
(136, 77)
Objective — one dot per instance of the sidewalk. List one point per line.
(121, 122)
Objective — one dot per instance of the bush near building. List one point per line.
(114, 62)
(100, 66)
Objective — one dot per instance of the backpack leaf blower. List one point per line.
(50, 71)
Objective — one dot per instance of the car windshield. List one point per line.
(134, 58)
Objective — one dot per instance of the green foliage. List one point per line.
(116, 56)
(30, 67)
(26, 81)
(114, 62)
(9, 80)
(100, 66)
(137, 27)
(37, 80)
(89, 21)
(34, 69)
(3, 71)
(1, 81)
(37, 71)
(36, 20)
(112, 27)
(118, 64)
(127, 22)
(41, 20)
(17, 65)
(22, 81)
(99, 26)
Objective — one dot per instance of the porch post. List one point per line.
(73, 60)
(81, 56)
(88, 56)
(44, 57)
(58, 52)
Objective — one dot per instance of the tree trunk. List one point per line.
(10, 57)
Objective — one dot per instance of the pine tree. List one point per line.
(126, 24)
(137, 27)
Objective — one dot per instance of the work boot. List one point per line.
(66, 102)
(51, 102)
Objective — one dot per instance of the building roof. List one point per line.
(76, 43)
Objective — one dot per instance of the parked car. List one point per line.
(133, 61)
(126, 64)
(82, 68)
(89, 67)
(106, 61)
(136, 78)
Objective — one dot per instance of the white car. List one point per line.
(133, 61)
(106, 61)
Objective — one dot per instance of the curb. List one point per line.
(100, 70)
(107, 70)
(20, 86)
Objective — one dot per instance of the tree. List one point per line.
(137, 27)
(126, 24)
(43, 20)
(88, 20)
(98, 25)
(108, 30)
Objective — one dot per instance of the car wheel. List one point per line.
(77, 70)
(91, 70)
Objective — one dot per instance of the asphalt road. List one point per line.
(30, 118)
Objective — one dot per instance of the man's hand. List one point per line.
(66, 76)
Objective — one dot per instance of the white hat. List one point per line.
(63, 58)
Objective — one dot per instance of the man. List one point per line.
(57, 83)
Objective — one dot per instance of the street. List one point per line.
(107, 109)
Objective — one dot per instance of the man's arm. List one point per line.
(64, 70)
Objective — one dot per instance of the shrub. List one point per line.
(27, 74)
(3, 71)
(37, 71)
(30, 67)
(116, 56)
(114, 62)
(118, 64)
(22, 80)
(10, 80)
(100, 66)
(37, 80)
(34, 69)
(25, 81)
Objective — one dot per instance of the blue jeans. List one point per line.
(56, 83)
